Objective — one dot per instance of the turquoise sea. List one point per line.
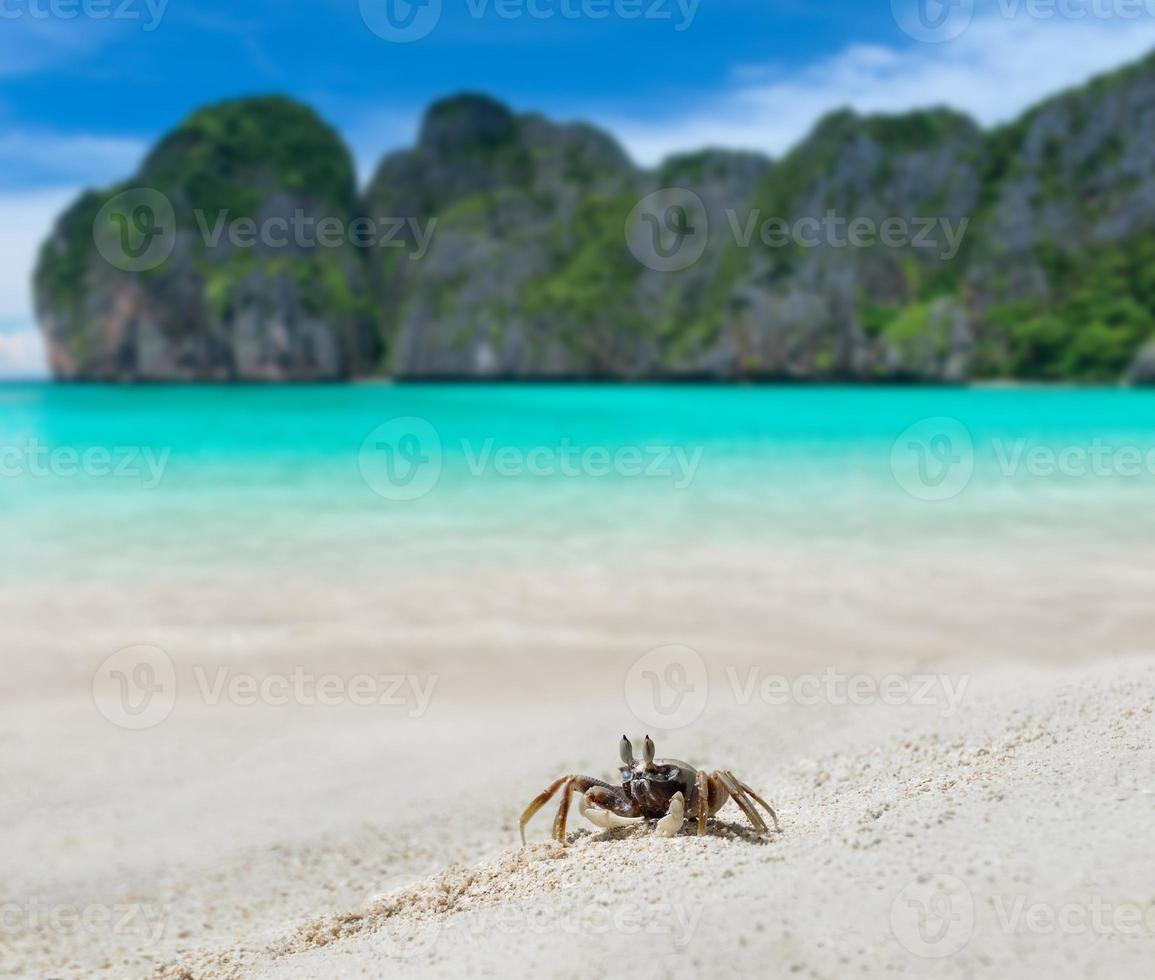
(153, 480)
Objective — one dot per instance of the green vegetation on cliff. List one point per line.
(216, 307)
(527, 269)
(228, 156)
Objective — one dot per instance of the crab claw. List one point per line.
(606, 819)
(672, 822)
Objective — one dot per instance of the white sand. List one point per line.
(258, 841)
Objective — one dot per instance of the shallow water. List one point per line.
(103, 477)
(502, 520)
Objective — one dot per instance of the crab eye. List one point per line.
(626, 751)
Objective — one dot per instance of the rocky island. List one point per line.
(500, 246)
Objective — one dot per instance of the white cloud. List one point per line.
(27, 216)
(994, 71)
(33, 43)
(25, 221)
(73, 158)
(22, 353)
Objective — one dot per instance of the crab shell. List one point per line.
(653, 785)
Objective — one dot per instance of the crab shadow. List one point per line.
(720, 829)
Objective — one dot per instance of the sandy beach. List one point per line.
(260, 722)
(994, 835)
(412, 410)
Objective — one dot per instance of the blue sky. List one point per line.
(82, 95)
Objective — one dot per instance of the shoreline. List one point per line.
(592, 381)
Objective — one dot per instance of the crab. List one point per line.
(664, 790)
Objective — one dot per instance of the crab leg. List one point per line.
(568, 785)
(743, 801)
(702, 791)
(539, 801)
(559, 821)
(766, 806)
